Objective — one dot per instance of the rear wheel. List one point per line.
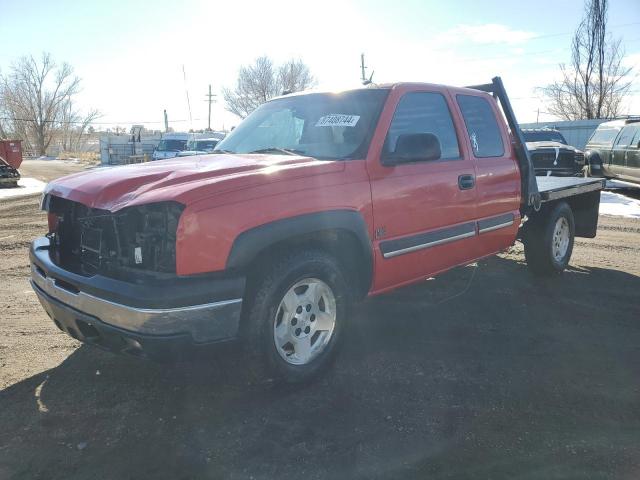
(297, 316)
(548, 240)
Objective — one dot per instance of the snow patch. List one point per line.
(26, 186)
(618, 204)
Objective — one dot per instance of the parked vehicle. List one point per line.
(551, 154)
(313, 202)
(170, 145)
(613, 151)
(10, 161)
(200, 146)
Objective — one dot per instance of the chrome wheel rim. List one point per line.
(304, 321)
(560, 239)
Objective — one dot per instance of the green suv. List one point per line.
(613, 151)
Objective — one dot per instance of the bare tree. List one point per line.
(596, 82)
(262, 81)
(294, 76)
(73, 127)
(36, 97)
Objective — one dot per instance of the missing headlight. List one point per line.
(137, 239)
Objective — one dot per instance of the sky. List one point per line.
(131, 55)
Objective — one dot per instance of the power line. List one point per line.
(210, 100)
(541, 96)
(526, 54)
(550, 35)
(132, 122)
(186, 91)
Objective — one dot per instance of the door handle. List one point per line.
(466, 182)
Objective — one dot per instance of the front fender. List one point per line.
(250, 243)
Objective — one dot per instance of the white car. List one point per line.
(170, 145)
(200, 146)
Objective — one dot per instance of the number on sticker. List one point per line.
(338, 120)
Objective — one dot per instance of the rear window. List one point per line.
(171, 145)
(482, 127)
(543, 136)
(604, 136)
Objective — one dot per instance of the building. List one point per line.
(134, 147)
(577, 132)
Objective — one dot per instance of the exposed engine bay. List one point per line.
(132, 241)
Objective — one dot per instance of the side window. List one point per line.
(636, 139)
(626, 136)
(482, 127)
(424, 112)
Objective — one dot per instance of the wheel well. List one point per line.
(592, 157)
(585, 212)
(340, 243)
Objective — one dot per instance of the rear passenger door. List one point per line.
(497, 174)
(619, 152)
(631, 168)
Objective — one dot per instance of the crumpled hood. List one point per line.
(549, 144)
(185, 179)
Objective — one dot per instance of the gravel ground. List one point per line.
(484, 372)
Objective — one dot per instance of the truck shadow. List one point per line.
(486, 371)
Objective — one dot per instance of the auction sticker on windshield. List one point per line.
(338, 120)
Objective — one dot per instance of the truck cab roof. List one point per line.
(388, 86)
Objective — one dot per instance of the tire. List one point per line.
(303, 297)
(548, 240)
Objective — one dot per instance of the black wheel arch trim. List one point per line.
(592, 157)
(250, 243)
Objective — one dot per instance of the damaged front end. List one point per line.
(132, 243)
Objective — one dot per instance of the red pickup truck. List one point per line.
(314, 201)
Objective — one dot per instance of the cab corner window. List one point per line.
(422, 121)
(482, 127)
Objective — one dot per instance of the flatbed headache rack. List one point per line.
(536, 190)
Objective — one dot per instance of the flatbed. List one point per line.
(554, 188)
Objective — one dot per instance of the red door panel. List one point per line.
(423, 220)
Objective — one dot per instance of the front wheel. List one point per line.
(297, 316)
(548, 240)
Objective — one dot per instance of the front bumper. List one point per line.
(144, 318)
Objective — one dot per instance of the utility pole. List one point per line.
(166, 122)
(364, 79)
(210, 99)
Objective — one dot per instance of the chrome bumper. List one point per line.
(204, 323)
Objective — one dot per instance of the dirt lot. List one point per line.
(485, 372)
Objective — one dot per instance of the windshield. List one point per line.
(324, 126)
(201, 144)
(544, 136)
(604, 136)
(171, 145)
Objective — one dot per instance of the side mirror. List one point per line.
(414, 147)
